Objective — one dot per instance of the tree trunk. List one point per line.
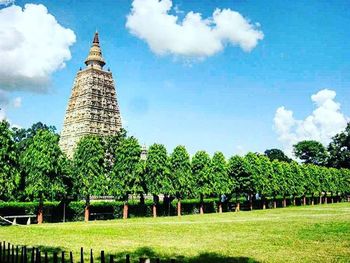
(251, 202)
(87, 209)
(312, 199)
(220, 206)
(201, 208)
(274, 203)
(40, 216)
(320, 199)
(154, 207)
(238, 206)
(325, 199)
(304, 200)
(284, 202)
(125, 210)
(178, 207)
(294, 201)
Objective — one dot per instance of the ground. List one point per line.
(319, 233)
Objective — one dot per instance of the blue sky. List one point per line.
(224, 102)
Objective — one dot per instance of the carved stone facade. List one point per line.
(92, 107)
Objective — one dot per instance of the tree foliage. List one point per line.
(277, 154)
(9, 173)
(43, 163)
(339, 149)
(311, 152)
(201, 172)
(125, 176)
(89, 167)
(181, 175)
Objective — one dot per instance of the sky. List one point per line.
(230, 76)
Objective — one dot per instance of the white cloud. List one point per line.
(33, 45)
(17, 102)
(194, 36)
(324, 122)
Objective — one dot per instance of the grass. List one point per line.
(319, 233)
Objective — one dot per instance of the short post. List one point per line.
(71, 257)
(127, 259)
(172, 261)
(28, 221)
(3, 251)
(0, 250)
(62, 259)
(81, 255)
(91, 257)
(8, 252)
(13, 254)
(38, 256)
(102, 256)
(32, 255)
(25, 260)
(55, 258)
(17, 255)
(14, 221)
(46, 259)
(158, 260)
(111, 259)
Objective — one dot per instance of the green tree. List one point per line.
(276, 180)
(239, 177)
(311, 152)
(157, 173)
(110, 144)
(285, 182)
(296, 182)
(254, 170)
(125, 176)
(220, 180)
(339, 149)
(9, 174)
(181, 176)
(42, 161)
(89, 169)
(277, 154)
(263, 184)
(201, 172)
(314, 181)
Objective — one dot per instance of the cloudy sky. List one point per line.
(230, 76)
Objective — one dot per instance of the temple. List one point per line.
(92, 106)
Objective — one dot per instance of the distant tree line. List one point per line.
(32, 167)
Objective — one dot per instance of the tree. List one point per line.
(220, 182)
(125, 177)
(296, 182)
(339, 149)
(89, 172)
(202, 177)
(110, 144)
(157, 173)
(311, 152)
(42, 161)
(285, 182)
(9, 174)
(263, 182)
(277, 154)
(181, 176)
(254, 170)
(239, 177)
(276, 180)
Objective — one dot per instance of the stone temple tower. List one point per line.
(92, 106)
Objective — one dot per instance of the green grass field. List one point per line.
(296, 234)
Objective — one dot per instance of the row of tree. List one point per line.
(32, 166)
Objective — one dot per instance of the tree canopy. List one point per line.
(311, 152)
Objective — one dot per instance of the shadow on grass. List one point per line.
(209, 257)
(135, 255)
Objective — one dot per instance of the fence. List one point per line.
(10, 253)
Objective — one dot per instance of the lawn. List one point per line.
(319, 233)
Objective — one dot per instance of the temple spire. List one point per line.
(95, 58)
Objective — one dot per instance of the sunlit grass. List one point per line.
(319, 233)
